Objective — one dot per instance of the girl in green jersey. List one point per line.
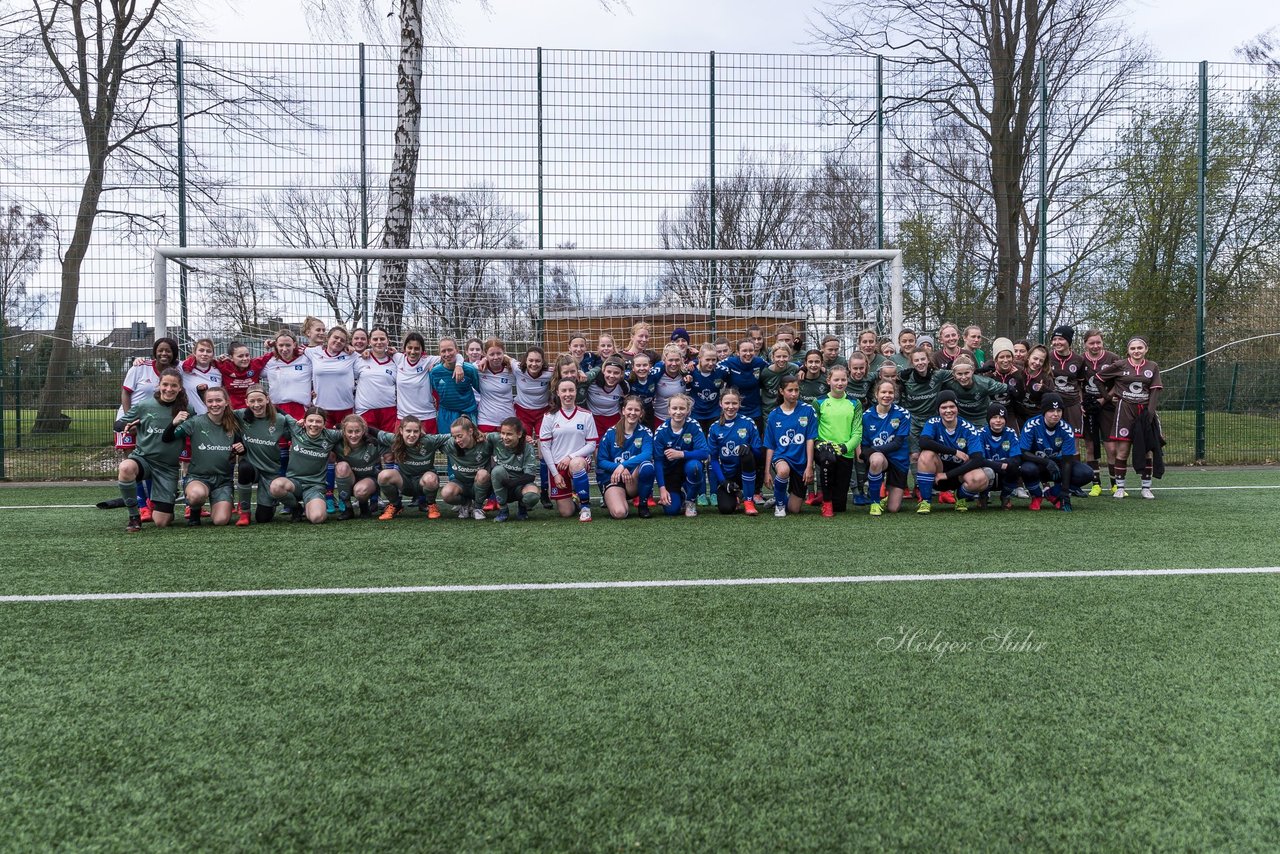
(412, 469)
(152, 457)
(261, 430)
(470, 458)
(214, 438)
(515, 469)
(356, 474)
(302, 488)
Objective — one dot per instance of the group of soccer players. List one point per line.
(344, 423)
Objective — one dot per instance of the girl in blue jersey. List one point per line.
(744, 375)
(643, 383)
(951, 451)
(734, 444)
(789, 435)
(885, 431)
(680, 450)
(1049, 454)
(455, 398)
(1000, 445)
(624, 462)
(705, 381)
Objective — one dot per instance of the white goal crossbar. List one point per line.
(164, 254)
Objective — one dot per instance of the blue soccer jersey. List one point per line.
(631, 453)
(1002, 446)
(688, 438)
(745, 377)
(786, 434)
(1040, 441)
(889, 434)
(705, 391)
(727, 440)
(453, 396)
(963, 438)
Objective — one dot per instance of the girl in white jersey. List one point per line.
(495, 401)
(288, 376)
(376, 383)
(533, 397)
(567, 442)
(670, 380)
(203, 374)
(333, 377)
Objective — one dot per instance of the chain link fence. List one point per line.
(290, 145)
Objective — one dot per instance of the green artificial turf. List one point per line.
(1122, 713)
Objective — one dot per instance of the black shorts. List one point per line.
(895, 477)
(795, 483)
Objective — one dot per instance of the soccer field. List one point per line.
(1069, 713)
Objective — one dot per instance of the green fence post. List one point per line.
(1231, 395)
(1042, 239)
(3, 329)
(184, 336)
(713, 288)
(364, 193)
(1200, 260)
(542, 265)
(880, 188)
(17, 402)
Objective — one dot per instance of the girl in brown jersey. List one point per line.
(1135, 386)
(1099, 409)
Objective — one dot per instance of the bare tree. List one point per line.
(239, 298)
(976, 67)
(104, 61)
(22, 237)
(325, 217)
(840, 216)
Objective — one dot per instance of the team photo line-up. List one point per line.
(349, 425)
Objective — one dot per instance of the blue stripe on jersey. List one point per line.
(1039, 441)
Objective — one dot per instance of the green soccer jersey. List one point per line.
(859, 389)
(308, 456)
(465, 463)
(210, 446)
(840, 421)
(920, 397)
(525, 461)
(811, 390)
(418, 459)
(974, 400)
(365, 459)
(770, 380)
(262, 440)
(153, 419)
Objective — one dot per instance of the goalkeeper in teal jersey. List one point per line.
(152, 458)
(515, 469)
(359, 456)
(215, 436)
(261, 428)
(303, 486)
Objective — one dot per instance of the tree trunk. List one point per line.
(401, 184)
(49, 415)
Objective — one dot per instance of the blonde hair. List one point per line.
(352, 419)
(673, 350)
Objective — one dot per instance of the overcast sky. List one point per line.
(1179, 30)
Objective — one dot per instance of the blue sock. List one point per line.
(779, 491)
(284, 461)
(582, 486)
(329, 478)
(542, 477)
(964, 493)
(141, 493)
(1034, 489)
(874, 484)
(1055, 491)
(748, 484)
(924, 483)
(677, 501)
(644, 479)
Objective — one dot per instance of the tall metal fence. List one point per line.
(1157, 185)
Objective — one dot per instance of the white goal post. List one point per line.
(869, 257)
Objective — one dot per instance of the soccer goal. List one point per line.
(529, 296)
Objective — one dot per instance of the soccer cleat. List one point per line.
(243, 521)
(491, 505)
(347, 513)
(390, 512)
(1056, 502)
(134, 525)
(298, 514)
(584, 515)
(330, 506)
(962, 505)
(341, 503)
(1066, 507)
(876, 509)
(193, 520)
(477, 513)
(1119, 492)
(1077, 492)
(186, 512)
(1035, 503)
(422, 505)
(779, 511)
(946, 497)
(144, 513)
(522, 515)
(828, 511)
(433, 512)
(644, 511)
(923, 507)
(652, 502)
(690, 510)
(1095, 490)
(1021, 492)
(749, 508)
(813, 499)
(545, 498)
(464, 511)
(1147, 493)
(502, 516)
(1114, 488)
(704, 501)
(1007, 504)
(861, 500)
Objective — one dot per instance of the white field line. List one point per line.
(1154, 488)
(616, 585)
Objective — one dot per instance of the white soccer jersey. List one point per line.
(567, 434)
(533, 392)
(289, 382)
(494, 402)
(192, 379)
(668, 387)
(604, 402)
(413, 387)
(333, 377)
(375, 383)
(141, 382)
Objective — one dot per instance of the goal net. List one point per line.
(527, 296)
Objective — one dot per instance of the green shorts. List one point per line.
(220, 487)
(164, 481)
(307, 491)
(265, 498)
